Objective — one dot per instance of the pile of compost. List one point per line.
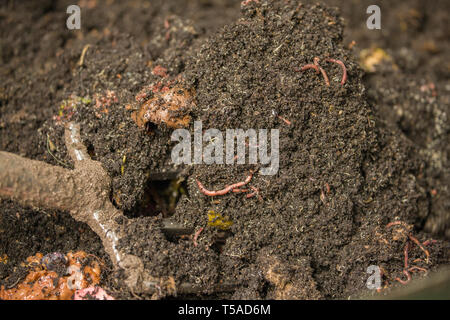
(350, 163)
(343, 175)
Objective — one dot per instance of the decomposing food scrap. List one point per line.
(170, 106)
(55, 276)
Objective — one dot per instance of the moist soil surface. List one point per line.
(353, 157)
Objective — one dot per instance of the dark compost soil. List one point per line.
(353, 158)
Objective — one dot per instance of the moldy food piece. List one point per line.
(169, 105)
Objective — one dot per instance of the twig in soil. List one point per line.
(344, 69)
(54, 157)
(83, 53)
(14, 284)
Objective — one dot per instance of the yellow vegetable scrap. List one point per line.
(218, 221)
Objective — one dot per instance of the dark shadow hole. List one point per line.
(160, 197)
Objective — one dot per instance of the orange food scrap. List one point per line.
(44, 284)
(169, 106)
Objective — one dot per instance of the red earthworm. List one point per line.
(418, 268)
(408, 244)
(240, 190)
(344, 69)
(212, 193)
(324, 74)
(309, 66)
(407, 270)
(250, 195)
(318, 68)
(285, 120)
(408, 277)
(255, 192)
(226, 189)
(196, 236)
(325, 77)
(411, 237)
(428, 242)
(395, 223)
(406, 254)
(427, 253)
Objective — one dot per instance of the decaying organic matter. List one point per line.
(170, 106)
(46, 283)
